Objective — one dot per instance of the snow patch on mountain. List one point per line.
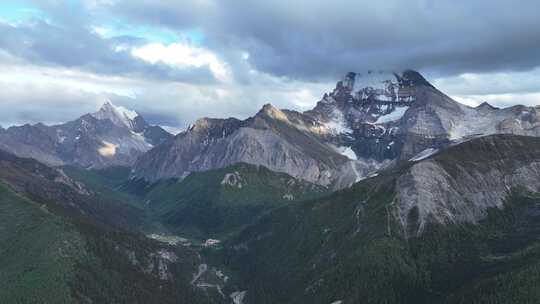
(348, 152)
(424, 154)
(378, 85)
(392, 116)
(172, 240)
(129, 114)
(288, 197)
(119, 115)
(173, 130)
(375, 80)
(337, 124)
(357, 170)
(139, 137)
(233, 179)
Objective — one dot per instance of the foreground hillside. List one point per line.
(59, 247)
(456, 226)
(218, 203)
(471, 237)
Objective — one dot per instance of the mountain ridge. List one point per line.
(368, 122)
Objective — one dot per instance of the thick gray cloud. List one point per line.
(312, 39)
(303, 39)
(31, 94)
(28, 103)
(284, 52)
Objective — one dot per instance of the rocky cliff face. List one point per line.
(460, 184)
(111, 136)
(271, 138)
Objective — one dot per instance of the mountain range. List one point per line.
(387, 191)
(368, 122)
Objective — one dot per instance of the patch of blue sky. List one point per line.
(151, 33)
(17, 11)
(20, 11)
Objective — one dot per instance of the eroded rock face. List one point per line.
(461, 184)
(267, 139)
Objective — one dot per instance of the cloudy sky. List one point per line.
(175, 61)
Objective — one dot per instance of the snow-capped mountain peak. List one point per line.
(381, 85)
(111, 136)
(369, 101)
(119, 115)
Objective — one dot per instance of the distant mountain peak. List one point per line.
(119, 115)
(415, 78)
(268, 106)
(113, 135)
(273, 112)
(486, 105)
(214, 127)
(201, 123)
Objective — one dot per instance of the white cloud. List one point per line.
(182, 56)
(500, 89)
(102, 31)
(23, 74)
(500, 100)
(32, 94)
(491, 83)
(304, 98)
